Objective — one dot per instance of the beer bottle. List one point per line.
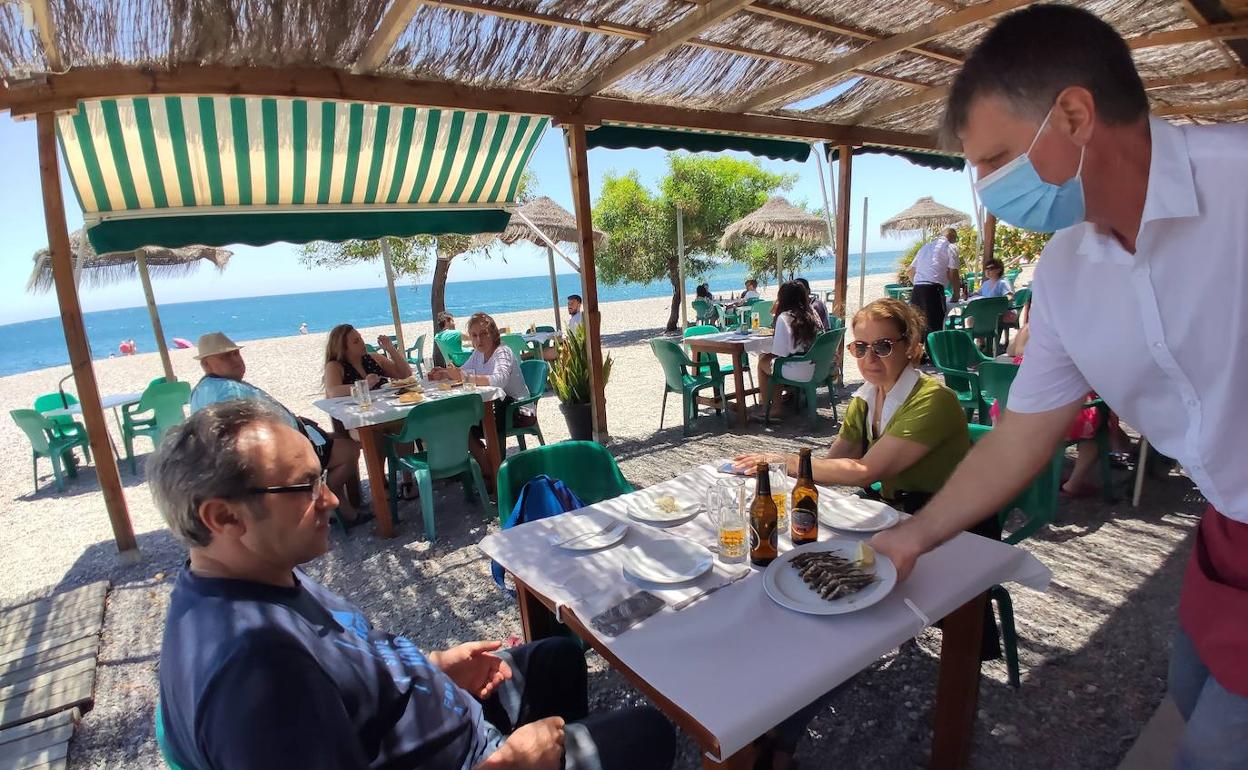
(804, 521)
(763, 521)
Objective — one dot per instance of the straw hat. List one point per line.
(214, 344)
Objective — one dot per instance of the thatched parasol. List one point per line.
(106, 269)
(778, 220)
(925, 214)
(556, 225)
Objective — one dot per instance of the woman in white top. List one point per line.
(796, 327)
(491, 363)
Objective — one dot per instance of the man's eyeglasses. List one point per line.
(883, 348)
(315, 487)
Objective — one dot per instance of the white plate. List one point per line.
(598, 541)
(854, 514)
(786, 587)
(642, 507)
(667, 561)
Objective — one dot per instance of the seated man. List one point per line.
(574, 312)
(224, 368)
(446, 321)
(261, 667)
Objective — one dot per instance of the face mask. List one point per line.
(1016, 194)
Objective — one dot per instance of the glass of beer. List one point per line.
(780, 493)
(363, 396)
(726, 502)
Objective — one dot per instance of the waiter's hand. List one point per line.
(903, 545)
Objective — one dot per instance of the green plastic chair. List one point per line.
(516, 343)
(704, 311)
(677, 379)
(47, 441)
(586, 467)
(703, 359)
(823, 354)
(166, 402)
(1038, 506)
(452, 346)
(534, 371)
(763, 308)
(416, 356)
(65, 424)
(1017, 303)
(894, 289)
(995, 378)
(442, 426)
(954, 354)
(1013, 275)
(982, 318)
(161, 742)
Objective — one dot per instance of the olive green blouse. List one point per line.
(930, 416)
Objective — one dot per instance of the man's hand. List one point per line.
(473, 667)
(749, 462)
(535, 746)
(903, 545)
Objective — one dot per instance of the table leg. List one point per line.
(493, 447)
(957, 691)
(370, 440)
(536, 620)
(1140, 465)
(738, 379)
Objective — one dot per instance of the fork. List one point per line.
(588, 535)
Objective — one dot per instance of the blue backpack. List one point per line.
(540, 498)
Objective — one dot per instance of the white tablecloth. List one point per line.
(705, 658)
(541, 338)
(386, 408)
(753, 343)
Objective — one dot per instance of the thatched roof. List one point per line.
(107, 269)
(552, 219)
(656, 62)
(925, 214)
(777, 219)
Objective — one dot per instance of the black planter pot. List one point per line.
(580, 421)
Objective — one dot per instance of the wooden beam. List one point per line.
(382, 41)
(1225, 31)
(76, 338)
(661, 42)
(1201, 20)
(949, 5)
(1191, 78)
(44, 28)
(61, 93)
(803, 19)
(1213, 108)
(839, 299)
(578, 168)
(1215, 12)
(990, 236)
(874, 52)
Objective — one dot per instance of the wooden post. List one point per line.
(862, 263)
(842, 233)
(157, 330)
(990, 235)
(76, 339)
(394, 299)
(578, 166)
(554, 287)
(680, 267)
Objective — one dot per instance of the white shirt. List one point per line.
(783, 344)
(749, 294)
(1161, 335)
(574, 320)
(503, 370)
(892, 401)
(934, 261)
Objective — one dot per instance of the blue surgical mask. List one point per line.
(1016, 194)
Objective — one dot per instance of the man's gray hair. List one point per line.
(199, 460)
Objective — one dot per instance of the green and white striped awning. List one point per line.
(215, 170)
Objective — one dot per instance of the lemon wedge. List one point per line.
(865, 556)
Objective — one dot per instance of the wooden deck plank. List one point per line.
(60, 655)
(16, 653)
(35, 678)
(65, 633)
(23, 731)
(38, 745)
(76, 614)
(77, 691)
(51, 757)
(84, 596)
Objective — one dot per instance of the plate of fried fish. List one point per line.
(829, 577)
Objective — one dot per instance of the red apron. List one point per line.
(1213, 607)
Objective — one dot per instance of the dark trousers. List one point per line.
(929, 298)
(548, 679)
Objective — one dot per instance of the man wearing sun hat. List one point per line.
(224, 368)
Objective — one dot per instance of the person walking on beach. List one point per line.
(933, 268)
(574, 312)
(1053, 115)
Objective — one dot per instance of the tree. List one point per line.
(410, 256)
(711, 192)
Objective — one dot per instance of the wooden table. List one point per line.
(372, 426)
(731, 344)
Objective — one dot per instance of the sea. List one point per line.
(31, 345)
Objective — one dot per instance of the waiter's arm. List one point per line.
(955, 282)
(994, 472)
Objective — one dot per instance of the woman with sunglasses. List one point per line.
(796, 327)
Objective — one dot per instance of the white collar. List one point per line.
(893, 401)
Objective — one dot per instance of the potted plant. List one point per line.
(569, 376)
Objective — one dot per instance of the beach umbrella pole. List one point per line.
(680, 266)
(157, 329)
(554, 287)
(862, 264)
(394, 299)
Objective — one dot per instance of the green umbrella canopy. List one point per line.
(108, 269)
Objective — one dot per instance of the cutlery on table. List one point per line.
(610, 528)
(683, 603)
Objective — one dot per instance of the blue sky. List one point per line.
(891, 184)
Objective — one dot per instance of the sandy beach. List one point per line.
(1093, 647)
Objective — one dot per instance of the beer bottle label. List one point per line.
(805, 517)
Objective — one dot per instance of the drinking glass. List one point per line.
(469, 385)
(779, 477)
(726, 502)
(363, 396)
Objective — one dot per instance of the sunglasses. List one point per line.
(315, 487)
(882, 348)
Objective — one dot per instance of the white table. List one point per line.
(541, 338)
(736, 345)
(385, 410)
(113, 402)
(700, 665)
